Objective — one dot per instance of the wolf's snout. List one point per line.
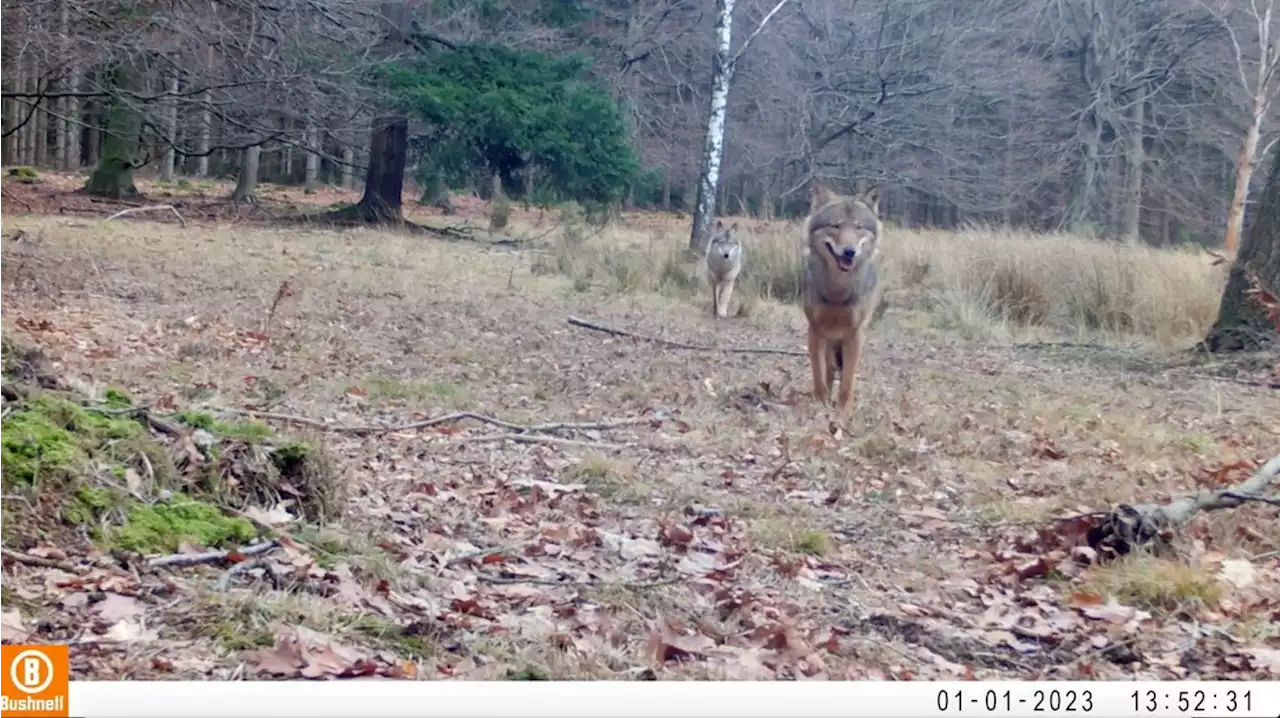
(849, 253)
(726, 255)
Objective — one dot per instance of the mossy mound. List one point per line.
(101, 471)
(250, 464)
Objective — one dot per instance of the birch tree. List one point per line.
(1256, 73)
(722, 68)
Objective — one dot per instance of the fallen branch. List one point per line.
(539, 439)
(142, 414)
(1132, 525)
(37, 561)
(10, 195)
(575, 321)
(224, 581)
(183, 560)
(153, 208)
(449, 419)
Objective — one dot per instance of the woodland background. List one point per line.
(1133, 118)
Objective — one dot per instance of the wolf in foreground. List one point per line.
(841, 286)
(724, 263)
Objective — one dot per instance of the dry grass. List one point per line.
(827, 521)
(984, 283)
(1157, 584)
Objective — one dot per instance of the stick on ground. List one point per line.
(575, 321)
(450, 419)
(153, 208)
(1130, 525)
(196, 559)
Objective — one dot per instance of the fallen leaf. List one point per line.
(115, 608)
(1237, 572)
(128, 631)
(1268, 658)
(11, 628)
(275, 516)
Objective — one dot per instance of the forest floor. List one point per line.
(718, 524)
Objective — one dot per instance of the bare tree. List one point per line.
(713, 151)
(1255, 65)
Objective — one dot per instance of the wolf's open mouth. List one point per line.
(844, 263)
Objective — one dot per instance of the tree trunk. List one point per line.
(12, 116)
(384, 180)
(247, 182)
(704, 209)
(113, 176)
(70, 159)
(1135, 165)
(1080, 211)
(203, 139)
(94, 137)
(41, 122)
(63, 127)
(348, 168)
(1242, 323)
(311, 179)
(27, 144)
(170, 157)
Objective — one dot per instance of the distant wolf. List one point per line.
(724, 263)
(841, 286)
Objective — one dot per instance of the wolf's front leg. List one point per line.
(851, 349)
(818, 363)
(728, 293)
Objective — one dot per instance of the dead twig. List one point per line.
(142, 414)
(1128, 525)
(183, 560)
(224, 581)
(37, 561)
(450, 419)
(575, 321)
(10, 195)
(152, 208)
(539, 439)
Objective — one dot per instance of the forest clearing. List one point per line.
(604, 506)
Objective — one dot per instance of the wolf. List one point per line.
(724, 263)
(841, 286)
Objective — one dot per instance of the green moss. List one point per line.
(117, 398)
(163, 527)
(248, 432)
(196, 419)
(34, 448)
(22, 172)
(89, 503)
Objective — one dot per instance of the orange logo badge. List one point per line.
(34, 681)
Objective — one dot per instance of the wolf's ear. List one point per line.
(872, 198)
(719, 225)
(820, 194)
(733, 227)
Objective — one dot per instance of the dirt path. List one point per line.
(740, 531)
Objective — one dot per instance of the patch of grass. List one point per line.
(390, 636)
(247, 431)
(163, 527)
(117, 398)
(985, 283)
(603, 475)
(813, 543)
(384, 388)
(1156, 584)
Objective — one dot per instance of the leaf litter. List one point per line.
(739, 535)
